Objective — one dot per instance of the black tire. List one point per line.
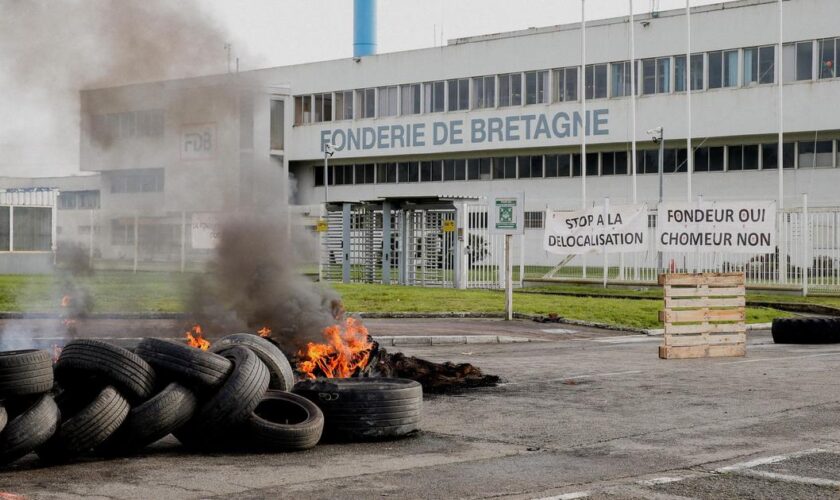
(4, 418)
(362, 409)
(88, 419)
(806, 331)
(165, 412)
(231, 406)
(201, 371)
(29, 429)
(283, 422)
(282, 376)
(127, 372)
(25, 373)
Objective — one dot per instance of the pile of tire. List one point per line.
(240, 395)
(365, 409)
(806, 330)
(105, 400)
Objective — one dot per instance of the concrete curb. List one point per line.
(750, 326)
(431, 340)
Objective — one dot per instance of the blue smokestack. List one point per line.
(364, 28)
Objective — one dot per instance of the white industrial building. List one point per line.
(443, 127)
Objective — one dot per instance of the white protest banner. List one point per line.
(622, 229)
(204, 229)
(720, 226)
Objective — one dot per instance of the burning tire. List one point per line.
(88, 418)
(28, 429)
(231, 405)
(24, 373)
(806, 331)
(282, 377)
(193, 368)
(82, 359)
(284, 422)
(359, 409)
(165, 412)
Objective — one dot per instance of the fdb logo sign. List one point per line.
(198, 142)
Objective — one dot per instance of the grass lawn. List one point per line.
(164, 292)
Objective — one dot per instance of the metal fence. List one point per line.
(807, 258)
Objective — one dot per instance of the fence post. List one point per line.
(806, 243)
(386, 243)
(345, 242)
(606, 269)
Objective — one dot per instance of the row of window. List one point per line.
(109, 127)
(804, 154)
(76, 200)
(137, 181)
(32, 229)
(812, 59)
(160, 235)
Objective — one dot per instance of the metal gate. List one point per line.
(484, 252)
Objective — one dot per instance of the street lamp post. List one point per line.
(329, 150)
(657, 134)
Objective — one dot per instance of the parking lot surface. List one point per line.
(581, 413)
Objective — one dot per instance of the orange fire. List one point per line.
(347, 349)
(264, 331)
(195, 338)
(65, 301)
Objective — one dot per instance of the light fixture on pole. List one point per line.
(329, 151)
(657, 135)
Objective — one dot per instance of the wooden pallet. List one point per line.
(704, 315)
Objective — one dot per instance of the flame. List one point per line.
(65, 301)
(347, 350)
(264, 331)
(56, 352)
(195, 338)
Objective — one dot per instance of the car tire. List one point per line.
(28, 429)
(152, 420)
(282, 376)
(283, 422)
(89, 417)
(363, 409)
(201, 371)
(25, 373)
(127, 372)
(221, 415)
(806, 330)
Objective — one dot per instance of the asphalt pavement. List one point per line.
(581, 413)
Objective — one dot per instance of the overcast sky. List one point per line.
(39, 133)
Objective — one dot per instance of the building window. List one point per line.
(534, 220)
(431, 171)
(708, 159)
(303, 109)
(620, 79)
(137, 181)
(759, 65)
(530, 166)
(566, 84)
(504, 168)
(276, 125)
(366, 102)
(408, 172)
(341, 175)
(696, 73)
(32, 229)
(798, 61)
(454, 170)
(411, 99)
(128, 124)
(386, 173)
(536, 87)
(344, 105)
(723, 69)
(479, 169)
(322, 111)
(81, 200)
(596, 81)
(656, 75)
(459, 94)
(484, 92)
(614, 163)
(769, 157)
(816, 154)
(365, 174)
(742, 157)
(558, 165)
(388, 101)
(510, 89)
(829, 49)
(434, 97)
(122, 233)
